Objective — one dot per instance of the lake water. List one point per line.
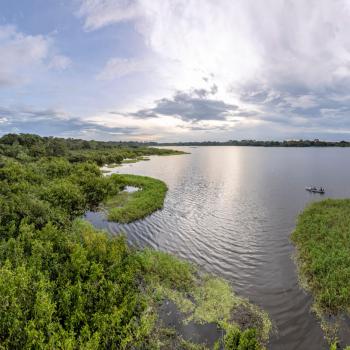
(231, 210)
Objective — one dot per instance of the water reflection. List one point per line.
(231, 210)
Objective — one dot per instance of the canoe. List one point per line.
(314, 190)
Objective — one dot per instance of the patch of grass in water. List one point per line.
(125, 208)
(322, 239)
(203, 298)
(214, 299)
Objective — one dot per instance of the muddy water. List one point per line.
(231, 210)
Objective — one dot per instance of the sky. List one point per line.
(176, 70)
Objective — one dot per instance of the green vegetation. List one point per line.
(28, 147)
(204, 299)
(127, 207)
(322, 238)
(335, 346)
(66, 285)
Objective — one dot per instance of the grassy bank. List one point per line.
(322, 239)
(127, 207)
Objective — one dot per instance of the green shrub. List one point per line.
(235, 339)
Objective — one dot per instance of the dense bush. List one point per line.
(28, 147)
(69, 289)
(235, 339)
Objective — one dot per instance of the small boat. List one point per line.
(314, 189)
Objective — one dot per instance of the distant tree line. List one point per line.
(259, 143)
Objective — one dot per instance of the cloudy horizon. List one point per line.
(176, 70)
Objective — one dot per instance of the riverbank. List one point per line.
(322, 239)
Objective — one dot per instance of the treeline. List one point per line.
(257, 143)
(29, 147)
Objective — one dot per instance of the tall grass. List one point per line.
(322, 238)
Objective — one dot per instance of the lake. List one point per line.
(231, 210)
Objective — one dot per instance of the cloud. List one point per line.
(192, 106)
(119, 67)
(48, 122)
(101, 13)
(282, 62)
(19, 53)
(60, 62)
(25, 57)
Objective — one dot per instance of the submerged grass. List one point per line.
(127, 207)
(322, 238)
(204, 299)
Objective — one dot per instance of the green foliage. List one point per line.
(65, 195)
(76, 287)
(322, 237)
(162, 268)
(139, 204)
(215, 300)
(235, 339)
(334, 346)
(28, 147)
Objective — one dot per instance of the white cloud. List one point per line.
(119, 67)
(99, 13)
(60, 62)
(284, 61)
(237, 41)
(19, 53)
(25, 57)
